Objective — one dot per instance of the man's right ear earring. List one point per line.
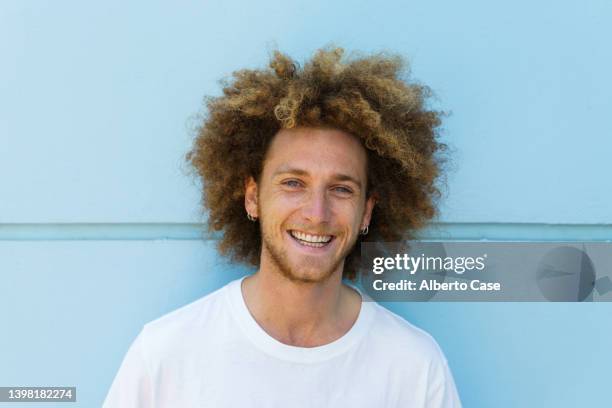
(251, 218)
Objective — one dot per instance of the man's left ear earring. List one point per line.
(365, 230)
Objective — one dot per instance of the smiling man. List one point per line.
(299, 166)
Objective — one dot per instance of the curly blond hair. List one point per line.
(365, 96)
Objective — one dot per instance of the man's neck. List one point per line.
(301, 314)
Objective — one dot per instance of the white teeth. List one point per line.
(312, 244)
(312, 240)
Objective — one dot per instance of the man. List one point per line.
(298, 167)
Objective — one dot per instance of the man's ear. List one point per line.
(367, 214)
(250, 197)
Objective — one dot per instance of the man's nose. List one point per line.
(317, 208)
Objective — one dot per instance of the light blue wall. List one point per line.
(100, 225)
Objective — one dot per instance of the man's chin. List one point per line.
(304, 268)
(310, 273)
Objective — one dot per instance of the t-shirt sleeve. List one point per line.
(132, 386)
(441, 389)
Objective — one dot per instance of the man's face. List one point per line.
(311, 202)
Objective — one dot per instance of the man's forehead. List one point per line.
(305, 150)
(321, 134)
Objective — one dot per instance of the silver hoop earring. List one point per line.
(365, 230)
(251, 218)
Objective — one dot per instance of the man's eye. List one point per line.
(343, 190)
(292, 183)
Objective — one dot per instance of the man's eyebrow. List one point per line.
(289, 170)
(301, 172)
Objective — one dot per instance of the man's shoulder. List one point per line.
(187, 321)
(399, 335)
(414, 357)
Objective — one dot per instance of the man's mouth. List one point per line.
(311, 240)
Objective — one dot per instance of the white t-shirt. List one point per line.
(212, 353)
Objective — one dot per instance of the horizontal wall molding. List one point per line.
(197, 231)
